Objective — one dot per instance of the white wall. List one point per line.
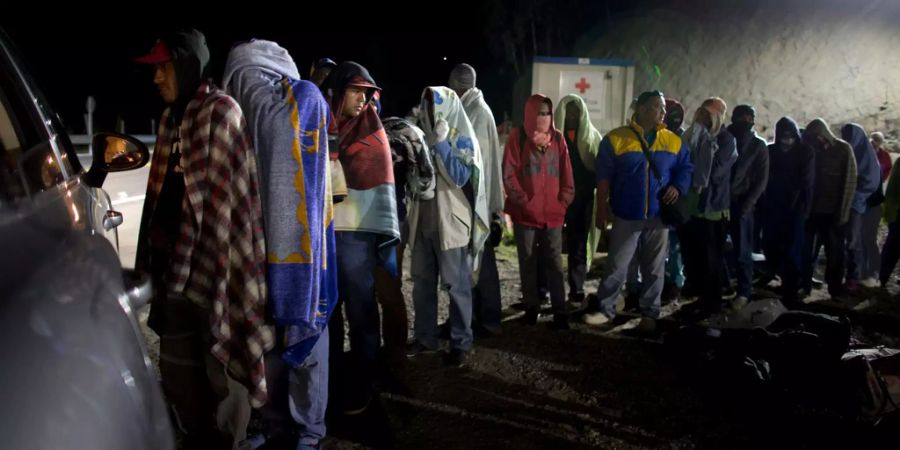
(838, 59)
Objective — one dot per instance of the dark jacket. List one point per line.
(750, 173)
(791, 174)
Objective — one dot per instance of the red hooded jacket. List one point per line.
(539, 185)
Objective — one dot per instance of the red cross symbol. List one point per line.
(583, 85)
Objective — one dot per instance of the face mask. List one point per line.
(742, 127)
(787, 142)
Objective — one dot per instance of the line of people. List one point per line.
(276, 207)
(278, 211)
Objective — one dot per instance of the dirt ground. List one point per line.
(535, 388)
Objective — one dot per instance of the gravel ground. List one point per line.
(535, 388)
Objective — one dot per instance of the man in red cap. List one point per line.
(201, 240)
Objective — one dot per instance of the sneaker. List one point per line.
(817, 283)
(455, 358)
(647, 325)
(739, 303)
(530, 318)
(560, 322)
(416, 348)
(595, 318)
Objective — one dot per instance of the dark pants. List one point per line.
(741, 258)
(871, 221)
(194, 381)
(578, 226)
(486, 307)
(783, 243)
(703, 245)
(544, 244)
(855, 253)
(890, 253)
(357, 258)
(394, 323)
(823, 230)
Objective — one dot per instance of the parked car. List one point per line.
(75, 368)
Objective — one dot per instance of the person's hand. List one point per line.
(441, 130)
(601, 218)
(671, 195)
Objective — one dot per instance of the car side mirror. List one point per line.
(119, 152)
(114, 152)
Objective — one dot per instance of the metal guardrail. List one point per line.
(85, 139)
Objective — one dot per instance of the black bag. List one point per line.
(671, 214)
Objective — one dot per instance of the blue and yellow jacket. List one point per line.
(633, 189)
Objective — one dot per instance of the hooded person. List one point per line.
(835, 187)
(446, 233)
(713, 152)
(788, 200)
(202, 197)
(583, 141)
(749, 177)
(320, 70)
(538, 178)
(868, 192)
(287, 119)
(674, 262)
(486, 292)
(366, 226)
(674, 116)
(884, 156)
(871, 220)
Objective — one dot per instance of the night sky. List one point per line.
(94, 54)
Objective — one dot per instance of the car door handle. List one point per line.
(112, 219)
(138, 288)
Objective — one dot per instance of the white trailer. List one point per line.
(606, 85)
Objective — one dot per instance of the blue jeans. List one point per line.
(429, 262)
(357, 258)
(298, 394)
(741, 258)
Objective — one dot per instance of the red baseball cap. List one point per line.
(362, 82)
(158, 54)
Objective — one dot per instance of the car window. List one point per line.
(28, 162)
